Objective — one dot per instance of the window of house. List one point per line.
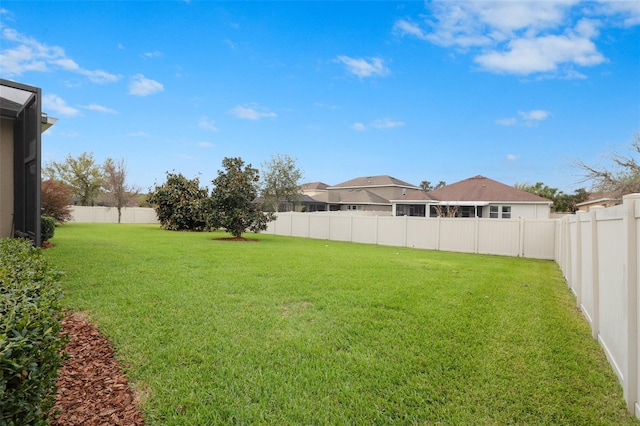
(355, 208)
(506, 212)
(493, 212)
(467, 211)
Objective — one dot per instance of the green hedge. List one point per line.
(30, 339)
(47, 227)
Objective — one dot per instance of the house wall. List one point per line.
(6, 177)
(599, 254)
(529, 211)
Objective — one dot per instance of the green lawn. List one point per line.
(294, 331)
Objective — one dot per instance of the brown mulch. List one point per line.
(92, 389)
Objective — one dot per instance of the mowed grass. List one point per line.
(294, 331)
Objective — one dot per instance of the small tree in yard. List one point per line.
(56, 200)
(232, 204)
(281, 182)
(118, 192)
(178, 203)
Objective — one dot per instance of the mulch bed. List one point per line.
(92, 389)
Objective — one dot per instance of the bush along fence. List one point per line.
(30, 340)
(598, 253)
(533, 238)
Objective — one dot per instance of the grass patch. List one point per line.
(300, 331)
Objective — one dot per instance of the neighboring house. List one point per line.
(314, 197)
(477, 196)
(370, 193)
(21, 125)
(606, 199)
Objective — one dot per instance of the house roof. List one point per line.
(372, 181)
(313, 185)
(415, 196)
(355, 196)
(482, 189)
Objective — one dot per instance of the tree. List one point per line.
(561, 202)
(56, 199)
(426, 186)
(232, 205)
(281, 181)
(623, 178)
(179, 203)
(82, 175)
(539, 189)
(115, 185)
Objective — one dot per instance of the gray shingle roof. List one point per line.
(383, 180)
(480, 188)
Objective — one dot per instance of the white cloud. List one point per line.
(142, 86)
(100, 108)
(511, 157)
(507, 121)
(550, 38)
(252, 112)
(185, 157)
(155, 54)
(542, 54)
(380, 123)
(204, 144)
(404, 27)
(363, 67)
(207, 124)
(139, 134)
(534, 115)
(28, 54)
(529, 118)
(386, 123)
(57, 106)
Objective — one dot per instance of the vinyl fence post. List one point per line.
(595, 271)
(579, 260)
(521, 238)
(631, 285)
(476, 235)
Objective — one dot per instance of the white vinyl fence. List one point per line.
(598, 253)
(110, 214)
(533, 238)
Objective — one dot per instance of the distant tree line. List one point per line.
(83, 181)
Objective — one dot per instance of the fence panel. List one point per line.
(457, 234)
(498, 237)
(87, 214)
(612, 295)
(391, 231)
(340, 228)
(539, 239)
(300, 225)
(364, 229)
(422, 233)
(586, 300)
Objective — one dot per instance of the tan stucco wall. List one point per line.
(6, 177)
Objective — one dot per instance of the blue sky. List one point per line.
(515, 91)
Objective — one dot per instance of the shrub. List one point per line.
(56, 200)
(30, 339)
(179, 203)
(47, 227)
